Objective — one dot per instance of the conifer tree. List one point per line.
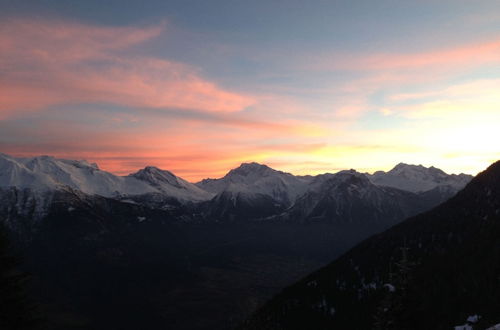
(391, 311)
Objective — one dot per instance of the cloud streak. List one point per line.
(474, 54)
(45, 63)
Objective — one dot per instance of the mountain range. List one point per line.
(157, 248)
(250, 191)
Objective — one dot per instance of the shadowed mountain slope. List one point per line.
(431, 271)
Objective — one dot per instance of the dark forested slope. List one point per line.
(432, 271)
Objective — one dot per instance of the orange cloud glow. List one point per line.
(179, 144)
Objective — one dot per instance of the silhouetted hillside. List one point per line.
(432, 271)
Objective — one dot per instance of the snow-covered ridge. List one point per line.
(417, 178)
(45, 173)
(170, 184)
(254, 178)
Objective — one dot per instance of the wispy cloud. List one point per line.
(442, 58)
(469, 101)
(44, 63)
(102, 95)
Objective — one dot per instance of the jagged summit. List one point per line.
(408, 169)
(418, 178)
(350, 197)
(254, 178)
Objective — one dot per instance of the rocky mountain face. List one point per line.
(255, 191)
(237, 206)
(350, 197)
(436, 270)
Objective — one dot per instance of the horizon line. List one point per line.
(336, 170)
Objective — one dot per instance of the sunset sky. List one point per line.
(198, 87)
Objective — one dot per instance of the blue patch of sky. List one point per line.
(375, 120)
(322, 24)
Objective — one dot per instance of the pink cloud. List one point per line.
(401, 76)
(451, 57)
(61, 41)
(53, 62)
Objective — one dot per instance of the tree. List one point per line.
(392, 309)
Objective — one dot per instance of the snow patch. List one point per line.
(325, 307)
(390, 287)
(473, 318)
(312, 284)
(332, 311)
(463, 327)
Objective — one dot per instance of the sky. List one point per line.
(198, 87)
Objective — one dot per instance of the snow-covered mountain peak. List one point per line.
(168, 183)
(248, 174)
(347, 178)
(417, 171)
(154, 175)
(44, 173)
(252, 169)
(15, 174)
(418, 178)
(255, 178)
(403, 167)
(350, 173)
